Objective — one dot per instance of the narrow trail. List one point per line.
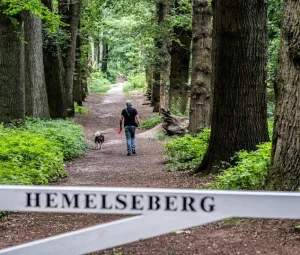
(111, 167)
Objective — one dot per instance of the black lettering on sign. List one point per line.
(121, 199)
(104, 206)
(188, 202)
(154, 204)
(207, 207)
(50, 200)
(73, 202)
(36, 199)
(170, 206)
(89, 201)
(136, 201)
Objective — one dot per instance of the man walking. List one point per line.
(131, 120)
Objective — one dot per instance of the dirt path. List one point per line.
(111, 167)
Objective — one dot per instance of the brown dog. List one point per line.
(99, 140)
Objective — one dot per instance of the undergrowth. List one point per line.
(248, 173)
(151, 122)
(100, 84)
(80, 109)
(136, 82)
(184, 153)
(32, 153)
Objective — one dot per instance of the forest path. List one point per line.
(111, 167)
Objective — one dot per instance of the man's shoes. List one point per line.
(133, 152)
(128, 154)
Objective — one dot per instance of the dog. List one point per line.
(99, 140)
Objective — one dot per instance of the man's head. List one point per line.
(128, 103)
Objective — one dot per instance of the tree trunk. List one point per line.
(239, 120)
(284, 173)
(77, 75)
(96, 51)
(149, 79)
(155, 96)
(180, 61)
(201, 94)
(104, 56)
(71, 12)
(35, 84)
(54, 74)
(12, 91)
(166, 59)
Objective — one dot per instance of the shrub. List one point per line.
(80, 109)
(136, 82)
(100, 84)
(151, 122)
(186, 152)
(28, 158)
(250, 170)
(68, 136)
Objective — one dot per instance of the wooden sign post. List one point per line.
(159, 211)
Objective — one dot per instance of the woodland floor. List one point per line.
(111, 167)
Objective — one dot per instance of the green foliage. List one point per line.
(275, 10)
(28, 158)
(14, 7)
(32, 153)
(182, 15)
(186, 152)
(250, 171)
(100, 83)
(151, 122)
(68, 136)
(136, 82)
(80, 109)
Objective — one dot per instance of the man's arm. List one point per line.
(121, 122)
(138, 121)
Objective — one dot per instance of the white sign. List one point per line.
(161, 211)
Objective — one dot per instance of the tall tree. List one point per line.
(54, 70)
(284, 173)
(155, 96)
(180, 60)
(70, 10)
(104, 60)
(35, 84)
(12, 90)
(78, 89)
(239, 118)
(201, 94)
(165, 67)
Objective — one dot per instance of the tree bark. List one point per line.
(239, 120)
(201, 94)
(35, 84)
(149, 79)
(12, 90)
(78, 91)
(54, 74)
(71, 15)
(284, 173)
(104, 56)
(166, 59)
(155, 96)
(180, 61)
